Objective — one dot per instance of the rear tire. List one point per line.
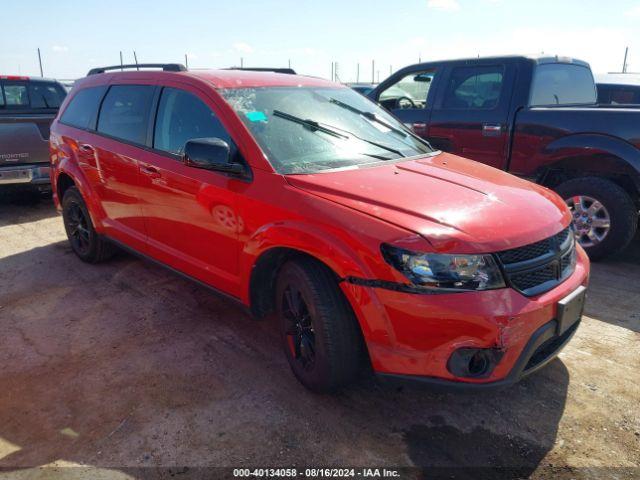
(619, 211)
(320, 334)
(85, 241)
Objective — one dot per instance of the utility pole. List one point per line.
(289, 63)
(186, 61)
(420, 57)
(332, 70)
(336, 72)
(241, 62)
(40, 62)
(390, 70)
(373, 69)
(357, 72)
(624, 63)
(378, 76)
(135, 57)
(121, 64)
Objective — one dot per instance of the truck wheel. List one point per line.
(605, 217)
(84, 240)
(320, 334)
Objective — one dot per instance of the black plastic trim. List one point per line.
(146, 257)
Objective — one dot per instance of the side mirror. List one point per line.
(211, 154)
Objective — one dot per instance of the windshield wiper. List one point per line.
(333, 131)
(310, 124)
(368, 115)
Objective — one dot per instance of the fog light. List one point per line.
(474, 362)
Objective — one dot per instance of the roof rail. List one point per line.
(289, 71)
(167, 67)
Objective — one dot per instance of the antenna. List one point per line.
(624, 63)
(40, 62)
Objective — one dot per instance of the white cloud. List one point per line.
(444, 5)
(634, 12)
(60, 49)
(243, 47)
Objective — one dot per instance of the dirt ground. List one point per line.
(119, 368)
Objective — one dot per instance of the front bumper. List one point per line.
(543, 346)
(34, 174)
(413, 336)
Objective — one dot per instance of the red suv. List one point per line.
(299, 197)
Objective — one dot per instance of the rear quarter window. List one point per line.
(83, 108)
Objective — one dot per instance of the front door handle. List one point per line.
(419, 128)
(150, 171)
(491, 130)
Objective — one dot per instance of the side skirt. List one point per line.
(143, 256)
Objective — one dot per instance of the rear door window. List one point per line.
(46, 95)
(474, 88)
(562, 84)
(125, 112)
(182, 117)
(16, 95)
(83, 108)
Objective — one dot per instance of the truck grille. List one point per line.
(540, 266)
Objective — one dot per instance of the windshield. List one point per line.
(562, 84)
(311, 129)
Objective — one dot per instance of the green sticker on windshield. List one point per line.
(256, 116)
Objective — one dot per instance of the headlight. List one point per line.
(454, 272)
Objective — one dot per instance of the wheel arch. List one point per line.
(69, 175)
(274, 244)
(587, 155)
(262, 281)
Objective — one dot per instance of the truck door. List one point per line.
(470, 116)
(409, 97)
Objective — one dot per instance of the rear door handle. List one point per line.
(86, 148)
(150, 171)
(491, 129)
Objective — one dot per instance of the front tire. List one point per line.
(605, 217)
(320, 334)
(85, 241)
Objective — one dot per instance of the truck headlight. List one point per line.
(445, 271)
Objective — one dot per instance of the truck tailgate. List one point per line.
(24, 138)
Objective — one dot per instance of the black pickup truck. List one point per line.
(27, 108)
(536, 117)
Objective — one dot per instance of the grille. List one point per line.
(527, 280)
(540, 266)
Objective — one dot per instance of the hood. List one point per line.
(458, 205)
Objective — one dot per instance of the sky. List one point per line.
(75, 35)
